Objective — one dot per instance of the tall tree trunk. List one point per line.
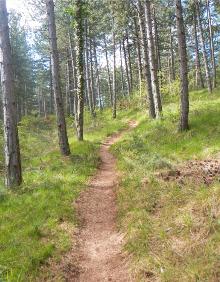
(138, 50)
(38, 90)
(70, 83)
(108, 70)
(157, 46)
(126, 68)
(114, 74)
(97, 76)
(172, 59)
(207, 72)
(92, 83)
(44, 104)
(129, 61)
(146, 68)
(184, 94)
(74, 97)
(61, 123)
(51, 88)
(211, 42)
(67, 96)
(122, 71)
(79, 69)
(88, 78)
(199, 78)
(11, 147)
(153, 70)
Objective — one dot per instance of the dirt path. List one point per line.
(99, 246)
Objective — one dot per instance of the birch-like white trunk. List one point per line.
(79, 70)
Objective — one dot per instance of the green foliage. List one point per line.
(33, 215)
(170, 90)
(172, 230)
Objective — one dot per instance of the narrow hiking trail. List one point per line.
(98, 251)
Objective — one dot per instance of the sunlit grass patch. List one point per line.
(32, 216)
(172, 230)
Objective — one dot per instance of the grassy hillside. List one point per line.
(32, 217)
(172, 223)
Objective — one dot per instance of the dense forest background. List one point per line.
(111, 28)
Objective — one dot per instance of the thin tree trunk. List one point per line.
(172, 59)
(122, 71)
(207, 72)
(184, 94)
(211, 42)
(108, 70)
(129, 62)
(199, 78)
(88, 78)
(67, 98)
(61, 123)
(70, 83)
(126, 68)
(146, 68)
(74, 98)
(79, 69)
(11, 146)
(39, 98)
(97, 76)
(51, 89)
(138, 50)
(44, 104)
(114, 74)
(92, 83)
(157, 46)
(153, 70)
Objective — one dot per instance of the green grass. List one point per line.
(173, 231)
(32, 216)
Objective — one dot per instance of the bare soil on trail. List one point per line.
(98, 253)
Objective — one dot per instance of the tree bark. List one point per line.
(11, 146)
(138, 51)
(97, 77)
(92, 83)
(126, 68)
(153, 70)
(122, 71)
(79, 69)
(172, 59)
(146, 68)
(88, 77)
(207, 72)
(61, 123)
(184, 93)
(114, 74)
(74, 98)
(199, 78)
(129, 62)
(211, 43)
(51, 89)
(108, 70)
(70, 83)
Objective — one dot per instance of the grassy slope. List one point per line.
(31, 217)
(173, 232)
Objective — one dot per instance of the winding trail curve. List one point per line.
(99, 244)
